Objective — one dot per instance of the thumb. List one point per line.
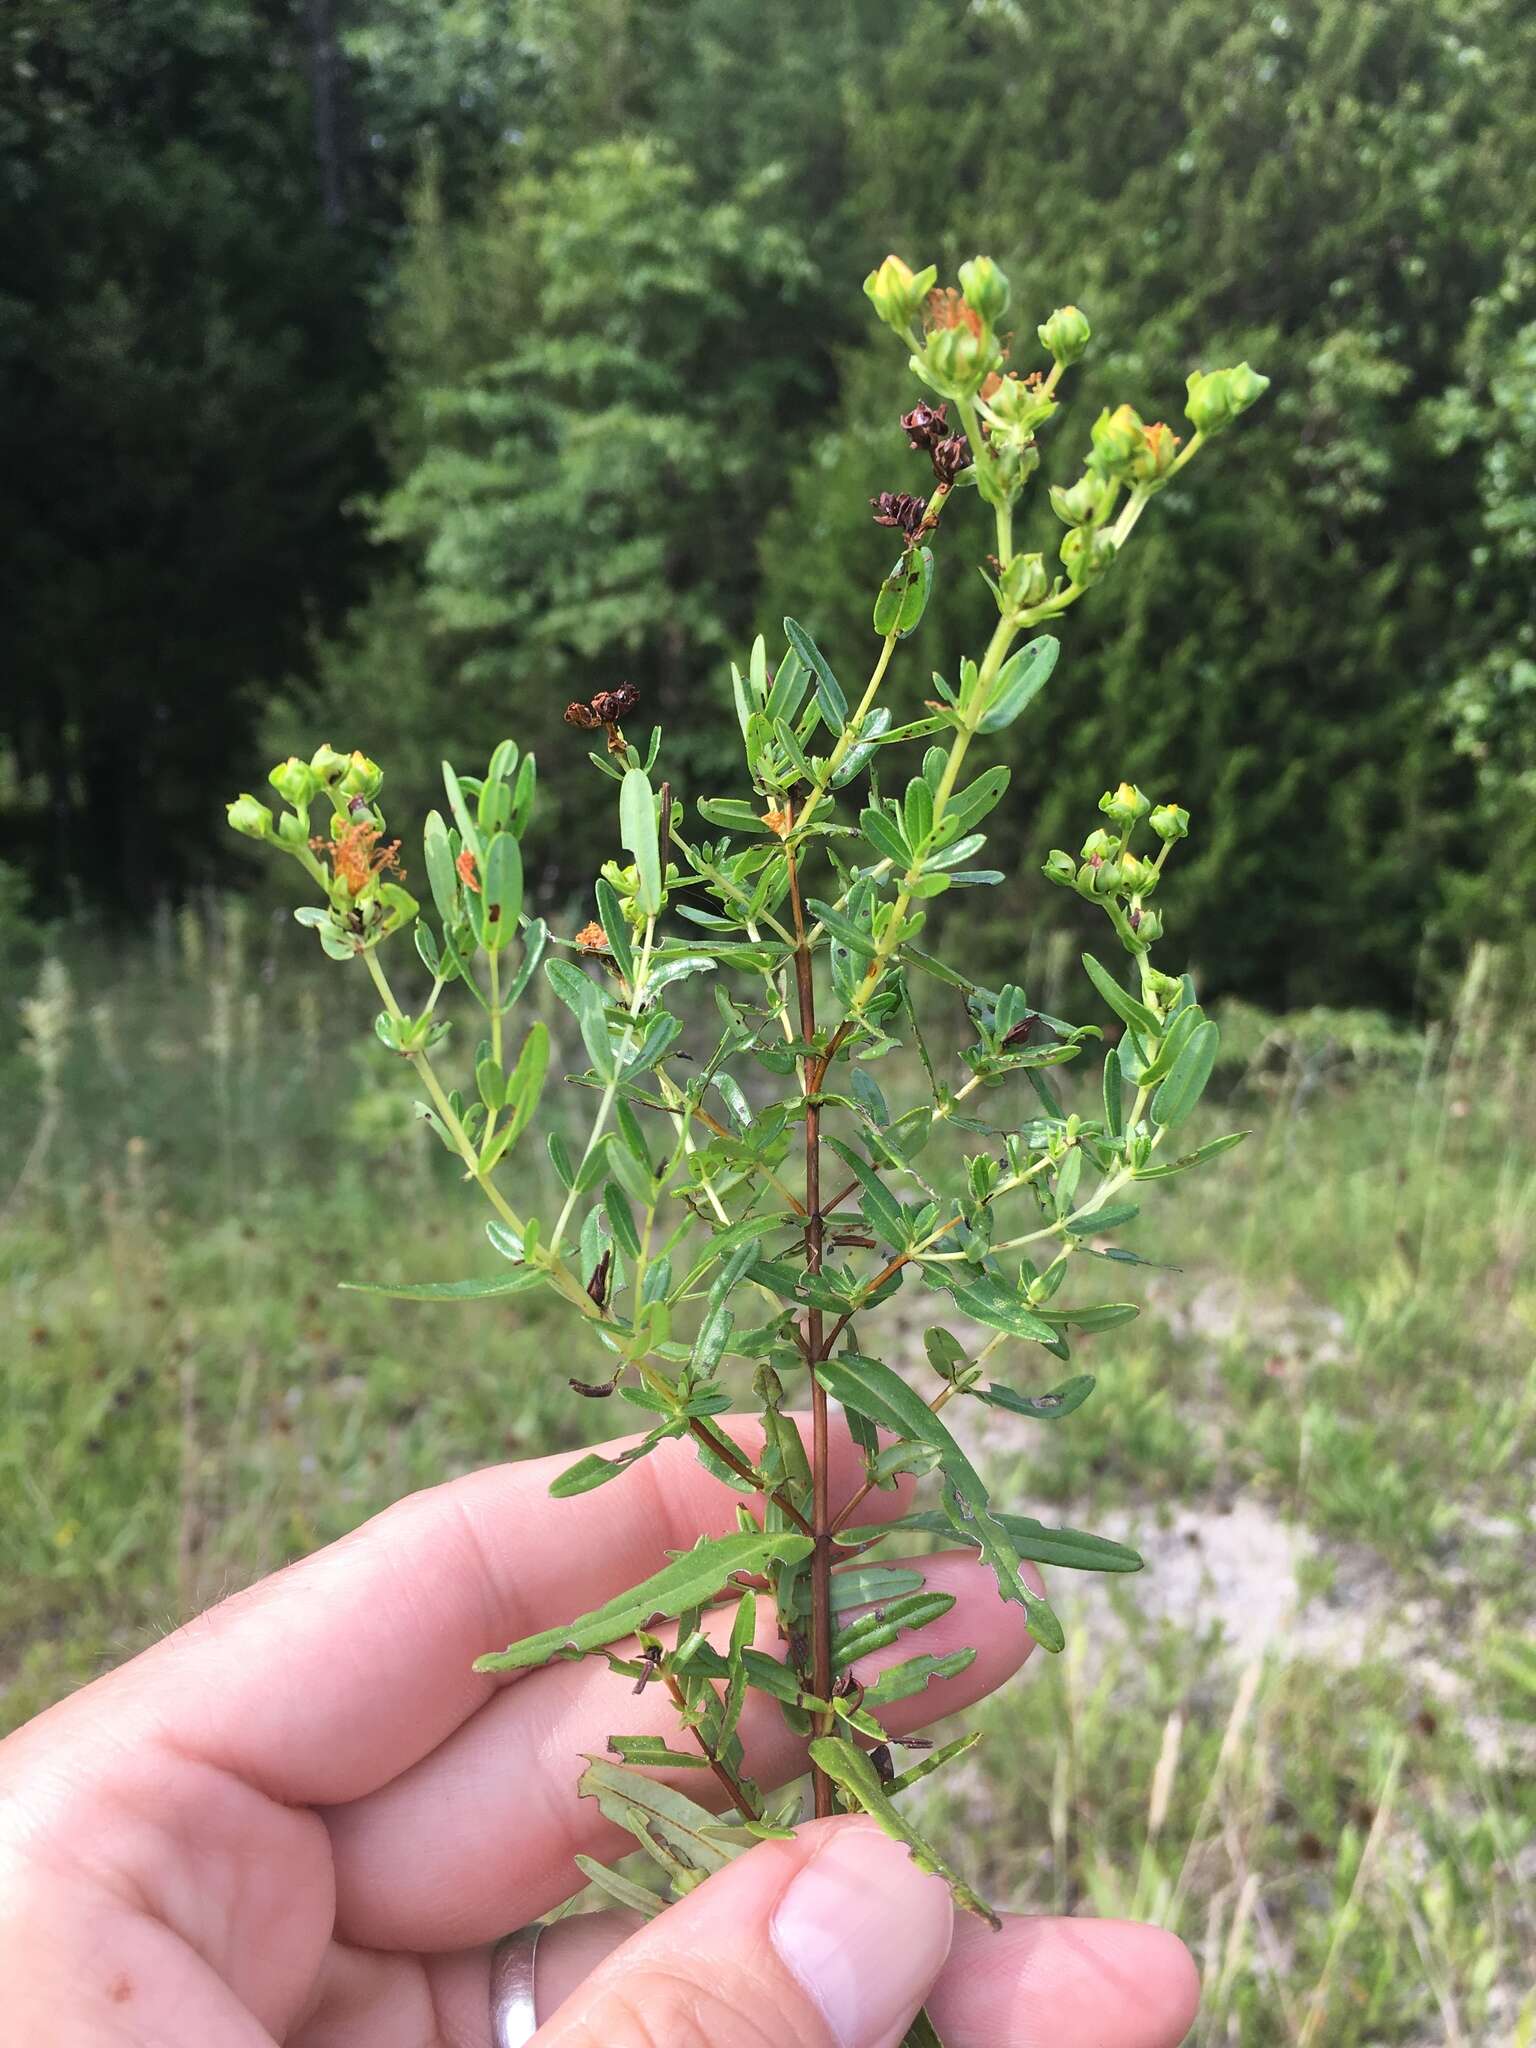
(829, 1941)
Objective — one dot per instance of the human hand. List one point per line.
(302, 1819)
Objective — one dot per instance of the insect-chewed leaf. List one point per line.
(901, 1681)
(1200, 1153)
(866, 1633)
(502, 891)
(1044, 1407)
(689, 1580)
(852, 1770)
(594, 1470)
(666, 1824)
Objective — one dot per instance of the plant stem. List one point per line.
(605, 1104)
(442, 1105)
(812, 1071)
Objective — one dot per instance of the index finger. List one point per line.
(329, 1679)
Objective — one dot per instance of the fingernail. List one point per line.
(865, 1932)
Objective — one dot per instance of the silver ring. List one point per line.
(514, 2016)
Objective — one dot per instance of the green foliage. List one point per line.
(1331, 188)
(184, 360)
(806, 993)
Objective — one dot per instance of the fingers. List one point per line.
(1065, 1984)
(479, 1837)
(1040, 1983)
(331, 1678)
(828, 1941)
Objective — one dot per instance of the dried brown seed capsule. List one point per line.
(950, 457)
(900, 509)
(583, 717)
(925, 424)
(612, 705)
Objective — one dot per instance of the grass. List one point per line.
(1304, 1737)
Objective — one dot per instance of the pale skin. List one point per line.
(302, 1819)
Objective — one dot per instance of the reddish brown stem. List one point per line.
(729, 1456)
(735, 1794)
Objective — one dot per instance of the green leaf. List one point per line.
(866, 1633)
(856, 939)
(876, 1391)
(1073, 1548)
(989, 1301)
(688, 1581)
(672, 1829)
(621, 1221)
(1125, 1006)
(919, 591)
(834, 704)
(469, 831)
(892, 596)
(1114, 1101)
(441, 873)
(637, 830)
(922, 2034)
(1100, 1315)
(884, 839)
(1019, 682)
(851, 1770)
(615, 927)
(450, 1290)
(901, 1681)
(502, 891)
(1186, 1084)
(1059, 1401)
(623, 1891)
(527, 1083)
(748, 1231)
(650, 1752)
(885, 1214)
(593, 1470)
(1201, 1152)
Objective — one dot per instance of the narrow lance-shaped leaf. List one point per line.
(872, 1387)
(688, 1581)
(829, 694)
(1124, 1005)
(621, 1889)
(441, 873)
(450, 1290)
(852, 1770)
(637, 829)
